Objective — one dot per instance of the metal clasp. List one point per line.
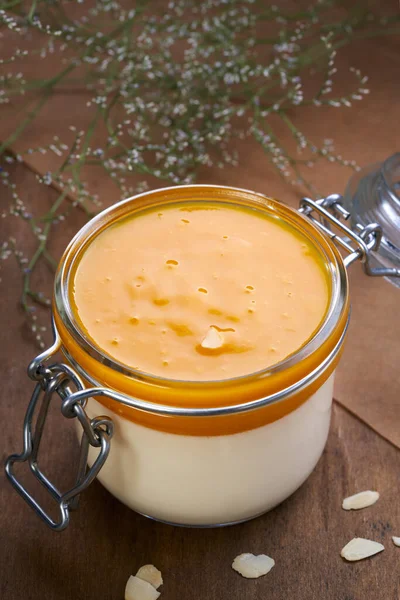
(360, 243)
(58, 379)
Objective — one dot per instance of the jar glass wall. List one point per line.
(258, 436)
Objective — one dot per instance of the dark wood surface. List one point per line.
(106, 542)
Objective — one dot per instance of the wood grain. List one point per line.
(106, 542)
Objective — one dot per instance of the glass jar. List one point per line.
(196, 453)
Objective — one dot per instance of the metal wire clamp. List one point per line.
(359, 244)
(57, 380)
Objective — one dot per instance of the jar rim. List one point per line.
(70, 332)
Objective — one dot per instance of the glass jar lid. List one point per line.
(373, 196)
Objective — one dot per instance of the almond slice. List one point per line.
(213, 339)
(151, 574)
(396, 540)
(251, 566)
(359, 548)
(138, 589)
(360, 500)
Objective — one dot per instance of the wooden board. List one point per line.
(107, 542)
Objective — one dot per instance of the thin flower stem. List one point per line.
(41, 249)
(32, 10)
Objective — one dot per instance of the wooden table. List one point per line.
(106, 542)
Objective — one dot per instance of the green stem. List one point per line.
(41, 249)
(318, 51)
(24, 123)
(51, 261)
(49, 84)
(31, 115)
(11, 4)
(32, 11)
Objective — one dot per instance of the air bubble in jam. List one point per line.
(180, 329)
(185, 221)
(172, 262)
(161, 301)
(233, 318)
(202, 290)
(249, 288)
(133, 320)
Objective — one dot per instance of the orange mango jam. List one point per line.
(200, 291)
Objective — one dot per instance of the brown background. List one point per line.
(106, 542)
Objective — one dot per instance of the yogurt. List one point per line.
(217, 480)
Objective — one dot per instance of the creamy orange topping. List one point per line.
(201, 291)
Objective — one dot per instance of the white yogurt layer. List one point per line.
(197, 480)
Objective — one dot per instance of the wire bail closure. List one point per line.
(359, 244)
(57, 379)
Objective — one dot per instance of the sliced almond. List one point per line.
(396, 540)
(359, 548)
(360, 500)
(213, 339)
(138, 589)
(151, 574)
(251, 566)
